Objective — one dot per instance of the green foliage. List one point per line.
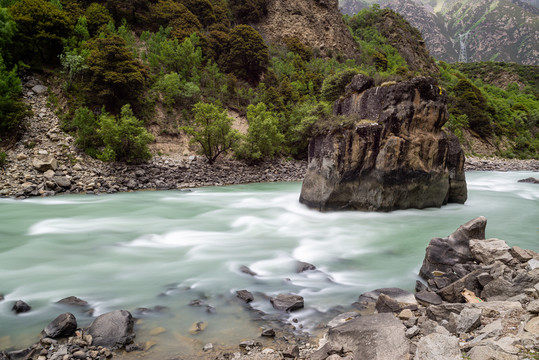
(97, 17)
(297, 47)
(176, 15)
(177, 90)
(203, 10)
(74, 63)
(248, 11)
(115, 77)
(86, 124)
(212, 130)
(334, 85)
(263, 138)
(3, 157)
(124, 137)
(248, 56)
(41, 27)
(12, 109)
(184, 58)
(7, 30)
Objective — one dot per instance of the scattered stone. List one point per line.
(406, 314)
(400, 295)
(80, 355)
(20, 307)
(244, 269)
(45, 163)
(249, 344)
(533, 264)
(490, 250)
(62, 181)
(268, 333)
(291, 352)
(520, 254)
(113, 329)
(39, 89)
(63, 326)
(287, 302)
(245, 296)
(411, 332)
(21, 157)
(197, 327)
(427, 298)
(438, 347)
(533, 307)
(207, 347)
(304, 266)
(532, 326)
(486, 352)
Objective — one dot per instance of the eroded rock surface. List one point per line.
(394, 156)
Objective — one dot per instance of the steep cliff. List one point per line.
(317, 23)
(394, 156)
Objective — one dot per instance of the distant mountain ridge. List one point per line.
(470, 30)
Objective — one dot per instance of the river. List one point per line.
(167, 248)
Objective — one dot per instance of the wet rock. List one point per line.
(342, 318)
(268, 333)
(400, 295)
(1, 297)
(287, 302)
(444, 254)
(249, 344)
(378, 336)
(197, 327)
(63, 326)
(207, 347)
(20, 307)
(530, 180)
(113, 329)
(73, 301)
(438, 347)
(291, 352)
(385, 304)
(244, 269)
(304, 266)
(245, 296)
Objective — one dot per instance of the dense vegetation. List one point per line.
(118, 62)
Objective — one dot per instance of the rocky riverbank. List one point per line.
(479, 300)
(46, 162)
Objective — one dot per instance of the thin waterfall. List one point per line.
(463, 55)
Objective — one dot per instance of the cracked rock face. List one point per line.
(395, 156)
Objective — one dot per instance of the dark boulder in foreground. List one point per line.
(392, 154)
(20, 307)
(113, 329)
(63, 326)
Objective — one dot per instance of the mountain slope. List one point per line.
(500, 30)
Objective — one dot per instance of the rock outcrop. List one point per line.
(394, 154)
(316, 23)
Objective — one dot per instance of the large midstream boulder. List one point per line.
(394, 156)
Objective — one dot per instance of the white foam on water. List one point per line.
(81, 225)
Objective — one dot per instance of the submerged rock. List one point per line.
(73, 301)
(287, 302)
(394, 156)
(20, 307)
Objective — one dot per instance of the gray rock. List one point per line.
(304, 266)
(113, 329)
(207, 347)
(359, 84)
(490, 250)
(342, 318)
(268, 333)
(62, 181)
(291, 352)
(378, 336)
(131, 184)
(385, 304)
(21, 157)
(60, 352)
(287, 302)
(438, 347)
(427, 298)
(49, 174)
(72, 301)
(80, 355)
(533, 264)
(442, 254)
(44, 163)
(411, 332)
(39, 89)
(520, 254)
(20, 307)
(63, 326)
(484, 278)
(530, 180)
(452, 292)
(486, 352)
(468, 319)
(245, 296)
(532, 326)
(533, 307)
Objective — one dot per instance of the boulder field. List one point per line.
(393, 156)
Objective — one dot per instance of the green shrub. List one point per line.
(263, 137)
(212, 130)
(248, 11)
(248, 56)
(124, 137)
(86, 125)
(3, 157)
(333, 86)
(175, 90)
(12, 109)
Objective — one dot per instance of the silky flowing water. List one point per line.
(167, 248)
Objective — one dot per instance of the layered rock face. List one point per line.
(395, 156)
(317, 23)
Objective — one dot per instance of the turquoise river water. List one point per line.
(166, 248)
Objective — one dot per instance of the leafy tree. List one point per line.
(74, 63)
(212, 130)
(184, 57)
(86, 125)
(134, 11)
(42, 27)
(12, 109)
(203, 9)
(176, 89)
(248, 11)
(334, 85)
(176, 15)
(263, 137)
(125, 138)
(97, 16)
(116, 78)
(248, 56)
(296, 46)
(7, 30)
